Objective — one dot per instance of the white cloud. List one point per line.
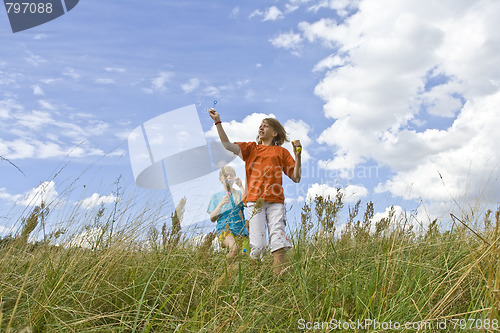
(47, 133)
(35, 119)
(384, 75)
(35, 59)
(4, 231)
(17, 149)
(212, 91)
(159, 83)
(49, 81)
(288, 41)
(38, 91)
(45, 192)
(44, 104)
(22, 149)
(342, 7)
(323, 30)
(191, 85)
(105, 81)
(328, 63)
(8, 107)
(250, 95)
(96, 200)
(235, 13)
(289, 8)
(115, 69)
(272, 13)
(70, 72)
(351, 193)
(39, 36)
(4, 195)
(90, 238)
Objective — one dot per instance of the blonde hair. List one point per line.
(225, 170)
(282, 136)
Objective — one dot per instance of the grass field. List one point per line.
(366, 278)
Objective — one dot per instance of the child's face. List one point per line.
(266, 131)
(227, 178)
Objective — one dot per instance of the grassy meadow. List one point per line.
(367, 278)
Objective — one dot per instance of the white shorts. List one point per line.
(270, 219)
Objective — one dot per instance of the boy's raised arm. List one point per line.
(232, 147)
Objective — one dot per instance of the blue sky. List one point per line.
(395, 101)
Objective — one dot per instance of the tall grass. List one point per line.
(385, 272)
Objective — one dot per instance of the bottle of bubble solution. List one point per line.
(245, 246)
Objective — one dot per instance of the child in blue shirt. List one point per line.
(226, 207)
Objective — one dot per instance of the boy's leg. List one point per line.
(276, 222)
(231, 264)
(277, 237)
(279, 261)
(257, 230)
(230, 242)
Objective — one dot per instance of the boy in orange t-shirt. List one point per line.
(265, 162)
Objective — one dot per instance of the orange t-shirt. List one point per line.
(264, 166)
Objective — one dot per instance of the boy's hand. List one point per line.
(297, 147)
(239, 183)
(214, 114)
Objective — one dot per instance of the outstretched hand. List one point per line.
(214, 114)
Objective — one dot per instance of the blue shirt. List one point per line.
(231, 214)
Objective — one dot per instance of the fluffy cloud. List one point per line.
(47, 132)
(35, 59)
(44, 193)
(272, 13)
(8, 107)
(4, 195)
(342, 7)
(115, 69)
(96, 200)
(288, 41)
(105, 81)
(191, 85)
(4, 231)
(396, 65)
(38, 91)
(351, 193)
(159, 83)
(70, 72)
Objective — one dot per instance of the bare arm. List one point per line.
(214, 215)
(232, 147)
(297, 171)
